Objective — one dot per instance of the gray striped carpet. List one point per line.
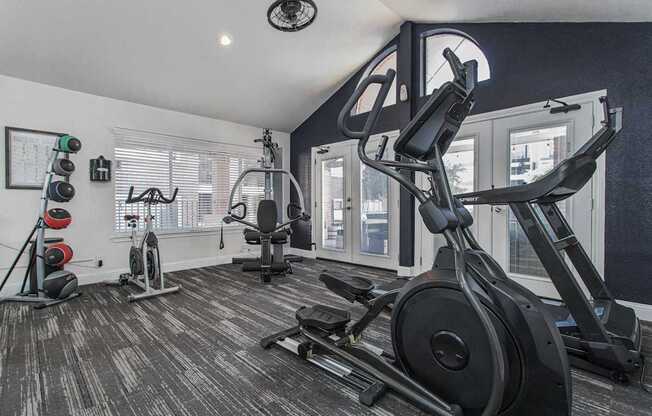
(197, 353)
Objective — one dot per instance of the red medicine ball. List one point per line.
(58, 254)
(57, 218)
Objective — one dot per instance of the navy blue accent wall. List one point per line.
(321, 128)
(531, 62)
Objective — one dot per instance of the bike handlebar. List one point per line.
(150, 196)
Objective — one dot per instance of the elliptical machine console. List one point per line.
(465, 339)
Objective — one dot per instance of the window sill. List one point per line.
(164, 235)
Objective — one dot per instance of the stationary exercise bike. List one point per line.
(466, 340)
(144, 257)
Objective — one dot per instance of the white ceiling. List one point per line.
(165, 53)
(522, 10)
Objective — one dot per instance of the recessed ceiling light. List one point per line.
(225, 40)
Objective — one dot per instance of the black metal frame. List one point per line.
(609, 344)
(326, 334)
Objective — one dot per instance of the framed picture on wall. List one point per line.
(27, 153)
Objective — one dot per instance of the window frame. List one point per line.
(236, 150)
(371, 67)
(423, 55)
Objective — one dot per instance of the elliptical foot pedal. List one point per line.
(323, 317)
(372, 394)
(267, 342)
(348, 287)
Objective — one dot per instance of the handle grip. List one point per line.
(290, 214)
(456, 65)
(131, 194)
(385, 82)
(167, 200)
(605, 109)
(381, 147)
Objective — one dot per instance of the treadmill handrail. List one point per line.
(590, 151)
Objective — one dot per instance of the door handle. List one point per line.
(498, 210)
(348, 208)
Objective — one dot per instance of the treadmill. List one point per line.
(601, 335)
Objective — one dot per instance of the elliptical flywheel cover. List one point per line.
(437, 336)
(60, 191)
(57, 218)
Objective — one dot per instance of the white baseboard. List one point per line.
(404, 271)
(308, 254)
(99, 275)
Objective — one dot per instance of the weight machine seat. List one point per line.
(132, 217)
(323, 317)
(277, 237)
(347, 285)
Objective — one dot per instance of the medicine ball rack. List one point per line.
(49, 284)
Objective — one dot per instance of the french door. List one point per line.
(508, 150)
(526, 147)
(356, 207)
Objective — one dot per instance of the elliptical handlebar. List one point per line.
(150, 196)
(385, 82)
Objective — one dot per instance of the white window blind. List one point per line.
(203, 170)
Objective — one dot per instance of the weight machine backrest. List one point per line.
(267, 216)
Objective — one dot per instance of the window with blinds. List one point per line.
(203, 170)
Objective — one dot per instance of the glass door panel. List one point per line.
(459, 162)
(466, 172)
(356, 207)
(374, 212)
(534, 152)
(333, 206)
(526, 147)
(332, 216)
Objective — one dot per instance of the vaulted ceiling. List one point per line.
(522, 10)
(165, 53)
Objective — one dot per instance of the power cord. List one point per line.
(9, 247)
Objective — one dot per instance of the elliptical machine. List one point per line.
(144, 257)
(466, 340)
(601, 335)
(267, 232)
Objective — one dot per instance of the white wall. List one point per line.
(91, 118)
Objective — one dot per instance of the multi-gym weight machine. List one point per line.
(269, 231)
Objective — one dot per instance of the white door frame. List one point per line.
(597, 183)
(394, 189)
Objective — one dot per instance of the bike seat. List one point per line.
(323, 317)
(132, 217)
(351, 288)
